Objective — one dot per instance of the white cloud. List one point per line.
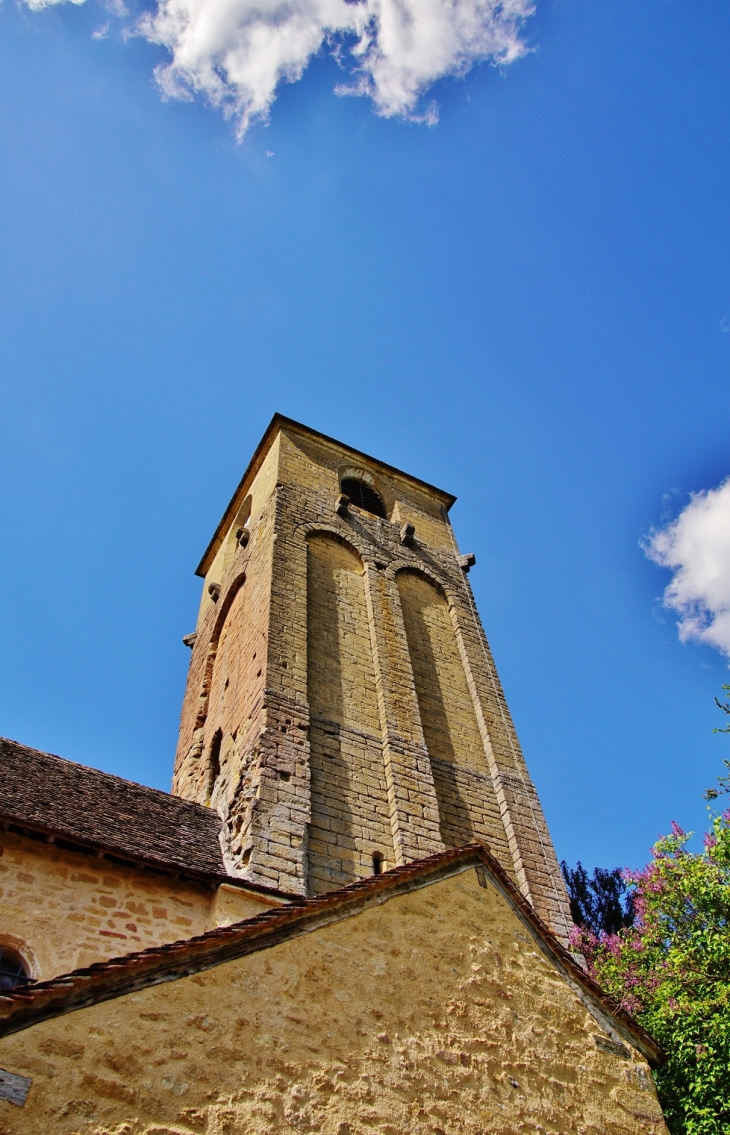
(235, 53)
(696, 547)
(36, 5)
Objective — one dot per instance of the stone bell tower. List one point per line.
(343, 713)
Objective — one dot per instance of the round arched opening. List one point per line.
(363, 495)
(13, 969)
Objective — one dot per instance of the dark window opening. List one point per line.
(214, 762)
(377, 863)
(12, 970)
(363, 495)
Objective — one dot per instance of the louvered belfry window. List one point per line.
(363, 495)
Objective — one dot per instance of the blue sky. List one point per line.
(526, 304)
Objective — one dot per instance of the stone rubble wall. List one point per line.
(64, 909)
(435, 1012)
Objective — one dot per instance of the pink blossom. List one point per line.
(576, 936)
(612, 943)
(632, 1004)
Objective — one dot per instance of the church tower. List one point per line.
(343, 713)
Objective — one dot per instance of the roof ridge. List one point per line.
(116, 977)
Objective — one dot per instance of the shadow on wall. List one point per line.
(440, 689)
(350, 831)
(331, 837)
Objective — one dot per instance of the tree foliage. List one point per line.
(712, 793)
(602, 904)
(671, 970)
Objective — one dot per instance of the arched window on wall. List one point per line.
(13, 970)
(363, 495)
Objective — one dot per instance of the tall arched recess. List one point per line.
(349, 796)
(466, 799)
(232, 681)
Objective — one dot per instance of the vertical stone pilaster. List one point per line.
(535, 862)
(414, 815)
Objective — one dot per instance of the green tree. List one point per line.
(671, 968)
(602, 903)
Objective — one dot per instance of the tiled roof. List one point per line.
(119, 976)
(86, 807)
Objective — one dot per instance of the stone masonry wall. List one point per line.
(447, 712)
(474, 781)
(535, 863)
(433, 1013)
(350, 812)
(226, 678)
(236, 752)
(467, 803)
(64, 909)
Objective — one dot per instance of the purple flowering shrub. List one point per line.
(671, 970)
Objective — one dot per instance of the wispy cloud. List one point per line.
(696, 548)
(235, 53)
(36, 5)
